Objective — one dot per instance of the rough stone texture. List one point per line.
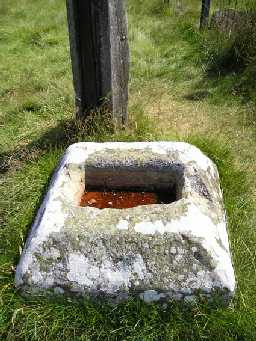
(157, 252)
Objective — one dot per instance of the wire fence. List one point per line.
(231, 15)
(225, 15)
(241, 5)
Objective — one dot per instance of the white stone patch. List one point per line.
(80, 271)
(109, 276)
(151, 296)
(58, 291)
(173, 250)
(122, 225)
(148, 227)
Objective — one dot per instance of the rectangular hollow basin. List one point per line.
(118, 199)
(172, 245)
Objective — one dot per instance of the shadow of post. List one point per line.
(95, 128)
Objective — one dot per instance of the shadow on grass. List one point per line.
(197, 95)
(93, 128)
(97, 127)
(230, 63)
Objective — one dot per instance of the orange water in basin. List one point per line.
(121, 199)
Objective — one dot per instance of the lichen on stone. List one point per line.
(156, 252)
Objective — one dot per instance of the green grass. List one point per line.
(171, 97)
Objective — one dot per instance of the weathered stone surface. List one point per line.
(157, 252)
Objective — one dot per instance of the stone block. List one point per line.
(162, 251)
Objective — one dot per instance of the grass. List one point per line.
(171, 97)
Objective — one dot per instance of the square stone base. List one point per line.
(156, 252)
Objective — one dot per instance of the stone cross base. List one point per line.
(156, 252)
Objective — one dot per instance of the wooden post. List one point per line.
(100, 56)
(204, 19)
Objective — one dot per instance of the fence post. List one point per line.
(205, 12)
(99, 51)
